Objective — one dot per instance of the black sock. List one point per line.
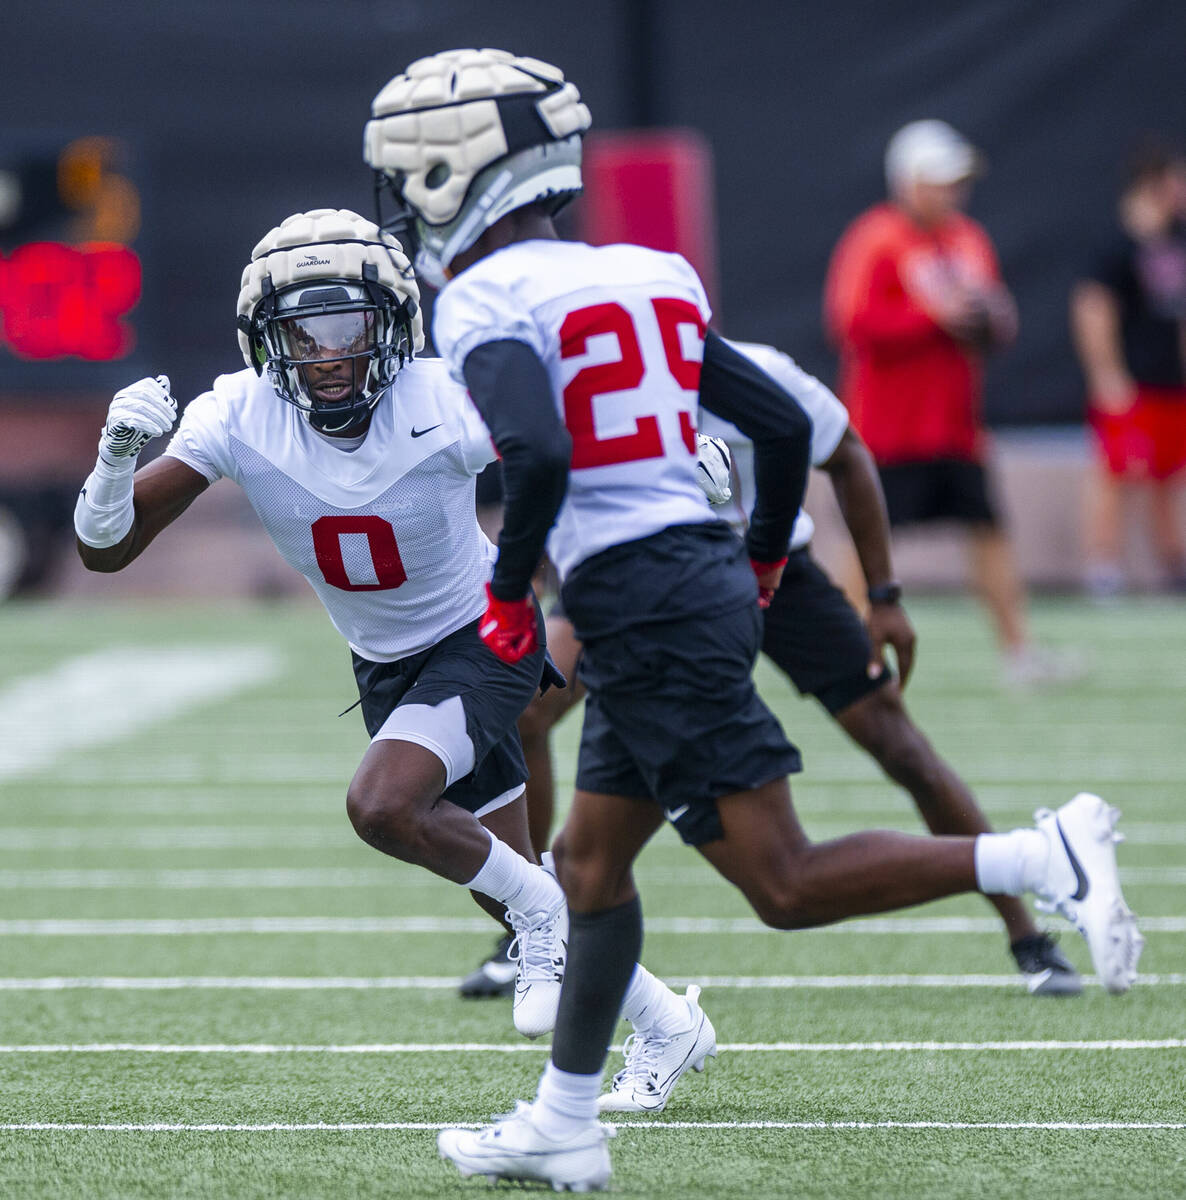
(602, 950)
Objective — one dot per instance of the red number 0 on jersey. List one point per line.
(624, 375)
(327, 542)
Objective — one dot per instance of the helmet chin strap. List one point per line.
(355, 424)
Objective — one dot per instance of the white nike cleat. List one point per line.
(654, 1064)
(513, 1148)
(1082, 883)
(540, 949)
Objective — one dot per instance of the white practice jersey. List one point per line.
(829, 420)
(620, 330)
(385, 533)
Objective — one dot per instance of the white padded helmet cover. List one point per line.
(438, 121)
(326, 243)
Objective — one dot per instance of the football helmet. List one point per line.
(464, 137)
(328, 303)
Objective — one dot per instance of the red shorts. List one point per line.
(1149, 440)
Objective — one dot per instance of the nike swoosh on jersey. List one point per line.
(674, 814)
(422, 432)
(1080, 876)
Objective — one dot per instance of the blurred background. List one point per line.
(145, 148)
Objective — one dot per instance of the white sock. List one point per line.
(565, 1103)
(506, 876)
(1008, 864)
(652, 1007)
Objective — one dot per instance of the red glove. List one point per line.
(769, 577)
(508, 627)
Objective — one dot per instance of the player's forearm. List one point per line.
(104, 515)
(511, 390)
(116, 519)
(862, 504)
(734, 388)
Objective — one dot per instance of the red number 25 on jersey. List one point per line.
(624, 375)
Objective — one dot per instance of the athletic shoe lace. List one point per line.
(641, 1071)
(534, 948)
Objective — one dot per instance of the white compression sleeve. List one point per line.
(104, 512)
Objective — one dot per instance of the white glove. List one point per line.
(138, 413)
(714, 468)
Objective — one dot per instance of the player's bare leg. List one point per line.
(595, 850)
(394, 803)
(535, 727)
(793, 883)
(1068, 860)
(881, 726)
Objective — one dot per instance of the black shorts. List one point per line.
(947, 489)
(492, 693)
(817, 638)
(672, 714)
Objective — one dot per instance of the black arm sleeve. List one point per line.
(511, 389)
(734, 387)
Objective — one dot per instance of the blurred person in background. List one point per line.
(915, 301)
(1128, 320)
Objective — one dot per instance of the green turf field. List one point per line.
(209, 987)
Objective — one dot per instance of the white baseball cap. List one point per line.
(930, 152)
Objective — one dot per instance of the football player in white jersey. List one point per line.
(817, 639)
(365, 481)
(587, 365)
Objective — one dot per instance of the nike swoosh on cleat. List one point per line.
(1080, 877)
(422, 432)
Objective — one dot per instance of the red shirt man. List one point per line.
(901, 303)
(914, 300)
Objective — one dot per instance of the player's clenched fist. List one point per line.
(138, 413)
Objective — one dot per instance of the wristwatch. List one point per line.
(885, 593)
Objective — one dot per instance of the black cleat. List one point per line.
(1046, 970)
(495, 977)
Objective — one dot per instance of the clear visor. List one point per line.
(327, 336)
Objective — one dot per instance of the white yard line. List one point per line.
(114, 693)
(214, 878)
(178, 837)
(649, 1126)
(448, 983)
(337, 833)
(196, 926)
(364, 1048)
(237, 878)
